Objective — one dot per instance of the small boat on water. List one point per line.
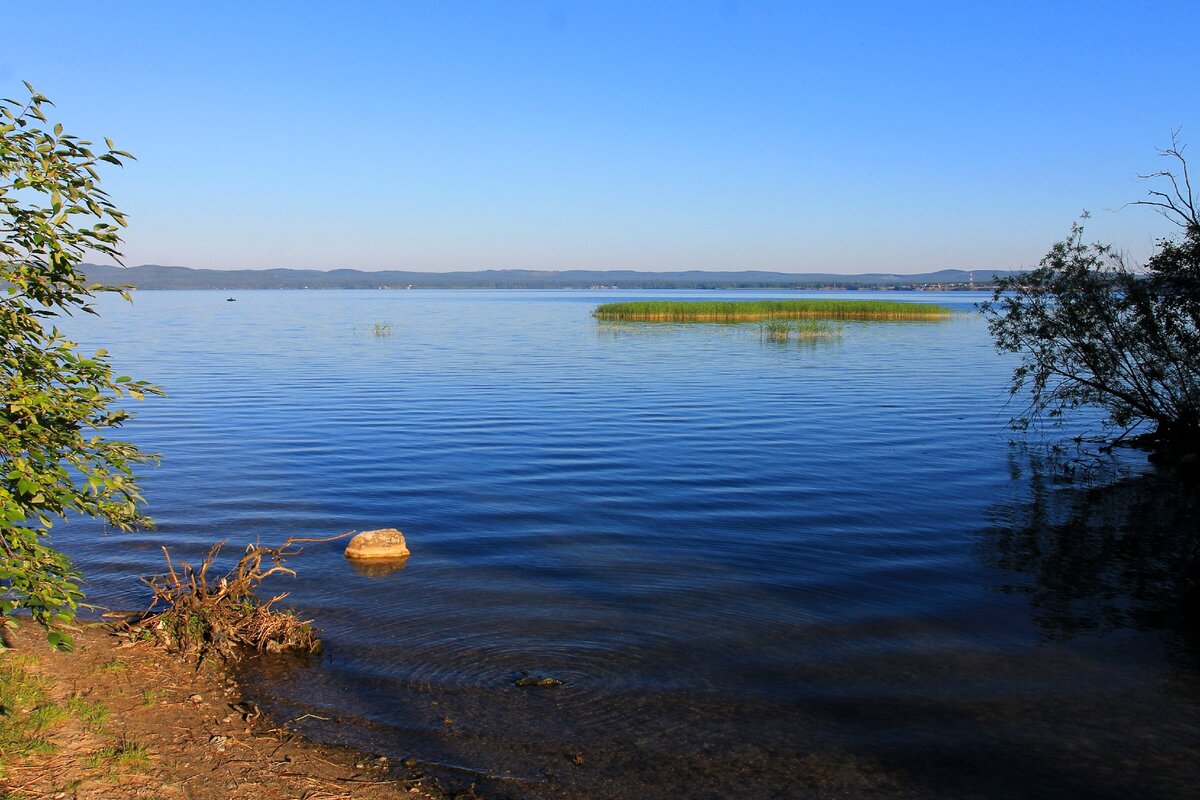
(230, 299)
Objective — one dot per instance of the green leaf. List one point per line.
(60, 640)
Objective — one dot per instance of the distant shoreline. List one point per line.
(155, 277)
(847, 288)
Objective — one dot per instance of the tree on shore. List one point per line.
(1091, 330)
(58, 402)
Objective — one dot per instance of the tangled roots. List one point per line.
(194, 614)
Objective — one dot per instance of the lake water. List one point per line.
(760, 569)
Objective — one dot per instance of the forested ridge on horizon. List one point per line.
(153, 276)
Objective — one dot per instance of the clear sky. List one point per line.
(716, 134)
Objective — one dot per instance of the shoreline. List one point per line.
(126, 719)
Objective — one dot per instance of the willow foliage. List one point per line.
(58, 402)
(1092, 331)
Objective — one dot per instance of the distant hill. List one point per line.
(153, 276)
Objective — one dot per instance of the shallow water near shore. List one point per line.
(759, 568)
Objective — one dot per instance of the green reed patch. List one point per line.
(782, 330)
(758, 310)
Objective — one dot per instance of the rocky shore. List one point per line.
(117, 719)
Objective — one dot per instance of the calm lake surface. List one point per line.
(761, 570)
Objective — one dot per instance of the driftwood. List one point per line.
(195, 614)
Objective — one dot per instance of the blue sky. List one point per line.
(892, 137)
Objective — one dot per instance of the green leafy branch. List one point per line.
(56, 403)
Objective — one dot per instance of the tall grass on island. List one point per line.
(757, 310)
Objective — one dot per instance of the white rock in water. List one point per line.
(383, 543)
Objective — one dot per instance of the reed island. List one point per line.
(759, 310)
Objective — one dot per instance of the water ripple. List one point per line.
(736, 556)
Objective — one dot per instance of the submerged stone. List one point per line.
(385, 543)
(537, 680)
